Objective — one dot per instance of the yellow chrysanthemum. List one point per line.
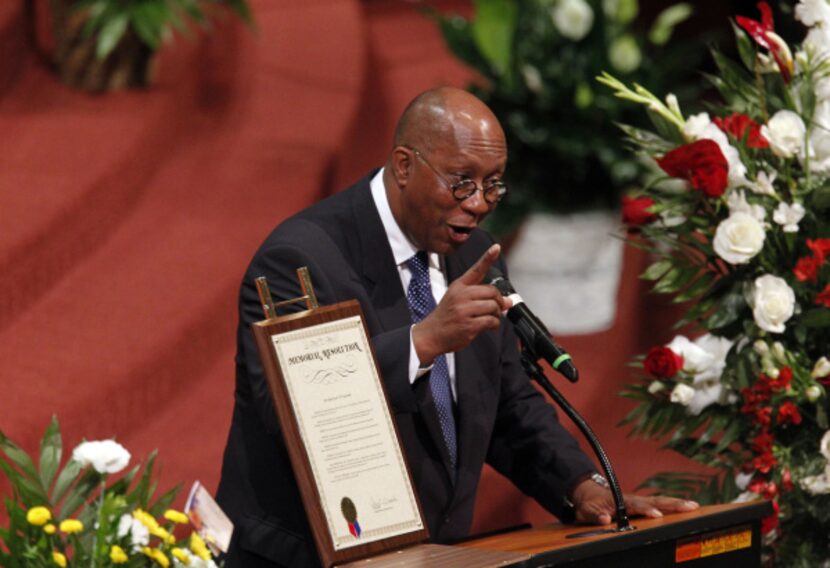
(198, 546)
(157, 556)
(49, 528)
(176, 517)
(181, 555)
(146, 519)
(59, 559)
(71, 526)
(117, 555)
(163, 535)
(38, 516)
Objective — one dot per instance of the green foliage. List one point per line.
(564, 148)
(79, 492)
(152, 21)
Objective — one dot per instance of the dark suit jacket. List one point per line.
(502, 419)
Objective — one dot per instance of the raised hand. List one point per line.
(466, 310)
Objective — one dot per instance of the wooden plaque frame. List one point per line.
(263, 332)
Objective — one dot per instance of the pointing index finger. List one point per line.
(475, 274)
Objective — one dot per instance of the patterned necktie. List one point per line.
(421, 303)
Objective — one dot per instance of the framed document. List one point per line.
(339, 432)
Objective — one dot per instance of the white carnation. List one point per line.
(573, 18)
(682, 394)
(785, 133)
(106, 456)
(789, 216)
(739, 238)
(139, 534)
(774, 303)
(705, 394)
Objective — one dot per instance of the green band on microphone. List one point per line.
(561, 359)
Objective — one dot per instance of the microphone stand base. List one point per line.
(597, 532)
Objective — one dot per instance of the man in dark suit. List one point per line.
(443, 176)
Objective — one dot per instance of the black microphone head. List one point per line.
(497, 279)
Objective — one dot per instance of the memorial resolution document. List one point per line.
(347, 429)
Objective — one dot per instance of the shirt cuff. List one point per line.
(416, 371)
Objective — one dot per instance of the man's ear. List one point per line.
(402, 165)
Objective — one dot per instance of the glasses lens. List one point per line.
(464, 189)
(493, 193)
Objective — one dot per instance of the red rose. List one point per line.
(823, 297)
(701, 163)
(806, 269)
(788, 414)
(820, 248)
(743, 128)
(770, 523)
(635, 210)
(662, 362)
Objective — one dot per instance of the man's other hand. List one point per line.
(594, 504)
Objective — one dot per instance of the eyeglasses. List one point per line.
(465, 187)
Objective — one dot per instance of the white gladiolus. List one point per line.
(533, 79)
(695, 358)
(820, 139)
(704, 359)
(824, 445)
(655, 387)
(813, 12)
(821, 368)
(789, 216)
(738, 238)
(106, 456)
(573, 18)
(785, 133)
(774, 303)
(813, 393)
(682, 394)
(760, 347)
(737, 203)
(763, 183)
(704, 396)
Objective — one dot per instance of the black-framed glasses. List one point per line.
(465, 187)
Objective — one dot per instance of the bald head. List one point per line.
(444, 113)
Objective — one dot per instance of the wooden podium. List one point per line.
(713, 536)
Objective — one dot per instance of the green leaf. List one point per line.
(695, 289)
(656, 270)
(22, 460)
(818, 317)
(746, 49)
(51, 449)
(110, 34)
(492, 30)
(66, 477)
(79, 494)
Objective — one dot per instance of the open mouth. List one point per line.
(460, 232)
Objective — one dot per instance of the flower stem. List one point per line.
(98, 521)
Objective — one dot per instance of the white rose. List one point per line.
(106, 456)
(812, 12)
(573, 18)
(785, 133)
(821, 368)
(739, 238)
(682, 394)
(824, 445)
(789, 216)
(737, 203)
(774, 303)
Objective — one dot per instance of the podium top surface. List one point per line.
(553, 541)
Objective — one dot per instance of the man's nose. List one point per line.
(476, 204)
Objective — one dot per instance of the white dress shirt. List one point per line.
(403, 250)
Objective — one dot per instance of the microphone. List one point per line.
(531, 330)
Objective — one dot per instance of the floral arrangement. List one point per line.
(539, 59)
(76, 515)
(737, 220)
